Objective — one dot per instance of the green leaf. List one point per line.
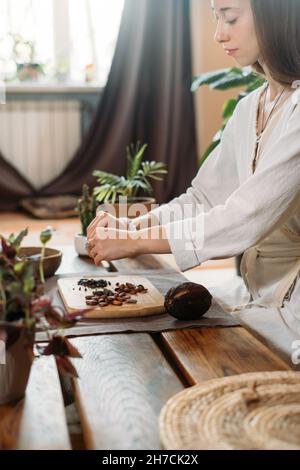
(209, 150)
(230, 82)
(208, 78)
(229, 108)
(256, 83)
(29, 284)
(46, 235)
(18, 240)
(134, 159)
(112, 186)
(18, 267)
(15, 288)
(104, 178)
(223, 80)
(152, 168)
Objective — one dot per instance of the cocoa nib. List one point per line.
(104, 297)
(188, 301)
(92, 283)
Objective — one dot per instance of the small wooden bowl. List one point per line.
(51, 262)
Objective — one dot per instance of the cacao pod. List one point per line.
(188, 301)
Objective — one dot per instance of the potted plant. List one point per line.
(121, 195)
(24, 53)
(226, 79)
(86, 208)
(24, 310)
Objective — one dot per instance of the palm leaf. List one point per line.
(255, 83)
(223, 80)
(229, 108)
(104, 178)
(231, 81)
(134, 159)
(152, 169)
(209, 150)
(208, 78)
(138, 174)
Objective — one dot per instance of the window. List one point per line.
(72, 40)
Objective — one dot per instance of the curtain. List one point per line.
(13, 186)
(147, 98)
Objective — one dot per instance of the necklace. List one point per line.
(264, 125)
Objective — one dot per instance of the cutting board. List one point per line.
(150, 303)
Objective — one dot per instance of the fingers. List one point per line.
(107, 244)
(101, 220)
(100, 234)
(98, 259)
(93, 225)
(93, 252)
(98, 245)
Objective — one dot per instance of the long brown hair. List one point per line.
(277, 24)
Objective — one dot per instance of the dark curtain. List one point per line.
(13, 186)
(147, 98)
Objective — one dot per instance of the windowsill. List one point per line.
(31, 87)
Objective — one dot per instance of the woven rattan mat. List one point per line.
(249, 411)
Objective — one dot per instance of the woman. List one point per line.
(246, 197)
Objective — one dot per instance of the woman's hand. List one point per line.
(106, 220)
(110, 244)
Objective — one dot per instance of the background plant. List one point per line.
(45, 237)
(86, 208)
(226, 79)
(138, 177)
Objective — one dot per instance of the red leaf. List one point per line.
(54, 318)
(66, 367)
(9, 251)
(42, 303)
(78, 315)
(60, 346)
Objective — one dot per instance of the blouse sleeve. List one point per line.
(252, 212)
(215, 181)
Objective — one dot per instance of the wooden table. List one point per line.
(125, 380)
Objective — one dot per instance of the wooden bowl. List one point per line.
(51, 262)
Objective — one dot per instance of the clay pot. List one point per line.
(14, 374)
(80, 242)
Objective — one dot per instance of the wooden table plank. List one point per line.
(208, 353)
(123, 383)
(38, 422)
(72, 263)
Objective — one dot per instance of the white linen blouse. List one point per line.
(235, 211)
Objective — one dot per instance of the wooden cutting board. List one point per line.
(150, 303)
